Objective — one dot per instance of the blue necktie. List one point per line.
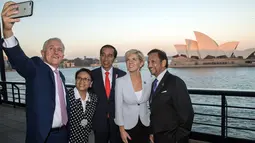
(155, 85)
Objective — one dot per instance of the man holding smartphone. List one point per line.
(46, 101)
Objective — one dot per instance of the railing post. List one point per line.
(0, 96)
(18, 92)
(223, 117)
(13, 96)
(226, 104)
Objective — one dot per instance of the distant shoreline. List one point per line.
(13, 70)
(209, 66)
(183, 62)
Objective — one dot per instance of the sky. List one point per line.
(86, 25)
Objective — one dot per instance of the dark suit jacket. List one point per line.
(171, 109)
(104, 106)
(40, 93)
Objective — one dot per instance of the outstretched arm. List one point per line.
(24, 65)
(15, 54)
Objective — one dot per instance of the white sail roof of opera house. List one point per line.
(205, 46)
(245, 53)
(227, 48)
(181, 49)
(192, 48)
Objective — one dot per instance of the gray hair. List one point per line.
(52, 39)
(136, 52)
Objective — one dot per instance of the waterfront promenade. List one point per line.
(13, 125)
(220, 115)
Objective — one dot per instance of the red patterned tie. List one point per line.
(107, 84)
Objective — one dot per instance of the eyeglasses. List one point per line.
(79, 79)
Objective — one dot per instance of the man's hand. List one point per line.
(9, 9)
(152, 138)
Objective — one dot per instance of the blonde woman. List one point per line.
(131, 101)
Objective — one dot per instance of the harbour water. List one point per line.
(222, 78)
(239, 78)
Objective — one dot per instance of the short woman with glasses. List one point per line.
(82, 105)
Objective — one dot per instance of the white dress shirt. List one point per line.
(110, 75)
(10, 42)
(78, 96)
(57, 122)
(160, 76)
(57, 119)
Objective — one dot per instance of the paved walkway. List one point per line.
(13, 125)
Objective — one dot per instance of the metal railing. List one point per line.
(16, 97)
(16, 92)
(225, 116)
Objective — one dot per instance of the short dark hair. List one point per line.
(115, 53)
(84, 70)
(161, 54)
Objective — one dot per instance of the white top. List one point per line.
(78, 96)
(139, 94)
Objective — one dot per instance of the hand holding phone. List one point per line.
(25, 9)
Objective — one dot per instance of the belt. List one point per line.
(57, 129)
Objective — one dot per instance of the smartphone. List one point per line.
(25, 9)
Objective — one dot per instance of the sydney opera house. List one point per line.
(205, 52)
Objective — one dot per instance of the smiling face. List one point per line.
(83, 81)
(107, 58)
(133, 63)
(53, 52)
(155, 65)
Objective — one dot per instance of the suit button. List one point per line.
(138, 104)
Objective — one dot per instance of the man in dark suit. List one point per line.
(171, 109)
(46, 100)
(104, 77)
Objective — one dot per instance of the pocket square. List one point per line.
(164, 91)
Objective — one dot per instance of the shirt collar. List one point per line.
(160, 76)
(110, 71)
(52, 68)
(78, 96)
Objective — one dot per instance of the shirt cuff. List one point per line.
(10, 42)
